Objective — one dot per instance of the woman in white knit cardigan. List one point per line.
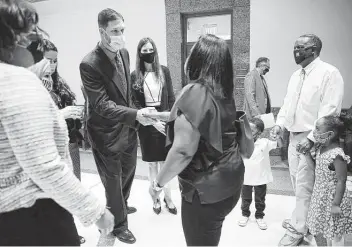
(38, 190)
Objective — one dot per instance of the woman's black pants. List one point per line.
(202, 223)
(43, 224)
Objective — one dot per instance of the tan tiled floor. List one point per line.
(166, 230)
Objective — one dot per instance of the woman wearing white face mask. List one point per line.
(65, 100)
(46, 70)
(41, 68)
(61, 93)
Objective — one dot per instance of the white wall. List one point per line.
(72, 25)
(276, 24)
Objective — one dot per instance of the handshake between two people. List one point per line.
(303, 147)
(150, 116)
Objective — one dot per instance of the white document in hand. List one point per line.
(268, 119)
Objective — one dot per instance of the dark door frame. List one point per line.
(184, 18)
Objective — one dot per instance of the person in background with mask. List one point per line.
(65, 99)
(45, 67)
(257, 99)
(152, 87)
(41, 69)
(112, 122)
(42, 61)
(314, 91)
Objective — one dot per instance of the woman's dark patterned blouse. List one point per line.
(63, 96)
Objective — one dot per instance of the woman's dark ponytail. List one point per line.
(16, 17)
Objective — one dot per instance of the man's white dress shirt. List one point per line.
(321, 95)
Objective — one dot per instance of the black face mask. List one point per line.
(148, 57)
(300, 55)
(265, 71)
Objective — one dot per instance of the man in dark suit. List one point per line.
(112, 122)
(257, 99)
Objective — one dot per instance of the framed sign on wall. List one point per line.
(197, 24)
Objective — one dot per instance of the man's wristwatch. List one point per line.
(156, 186)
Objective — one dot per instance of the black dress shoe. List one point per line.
(125, 236)
(157, 210)
(131, 210)
(171, 210)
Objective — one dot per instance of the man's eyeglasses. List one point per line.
(302, 47)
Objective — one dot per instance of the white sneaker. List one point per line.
(262, 224)
(243, 221)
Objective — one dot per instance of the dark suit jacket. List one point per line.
(256, 90)
(111, 121)
(167, 94)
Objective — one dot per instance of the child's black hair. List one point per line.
(258, 123)
(334, 123)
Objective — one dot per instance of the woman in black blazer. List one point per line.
(152, 87)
